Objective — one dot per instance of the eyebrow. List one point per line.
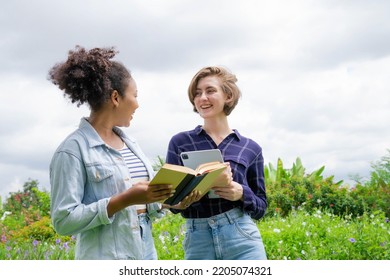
(209, 87)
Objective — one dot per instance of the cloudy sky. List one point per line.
(315, 76)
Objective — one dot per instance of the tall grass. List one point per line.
(36, 250)
(325, 236)
(298, 236)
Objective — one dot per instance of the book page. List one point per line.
(209, 166)
(179, 168)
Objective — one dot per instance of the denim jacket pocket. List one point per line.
(101, 183)
(97, 172)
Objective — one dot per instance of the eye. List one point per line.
(211, 90)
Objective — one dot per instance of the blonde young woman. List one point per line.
(222, 227)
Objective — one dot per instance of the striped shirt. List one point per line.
(247, 163)
(136, 167)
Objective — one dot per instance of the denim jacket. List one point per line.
(84, 174)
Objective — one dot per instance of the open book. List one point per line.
(192, 159)
(184, 179)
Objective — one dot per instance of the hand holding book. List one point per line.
(225, 178)
(184, 179)
(193, 197)
(222, 182)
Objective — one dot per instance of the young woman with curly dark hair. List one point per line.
(99, 176)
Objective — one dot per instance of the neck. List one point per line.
(218, 129)
(103, 125)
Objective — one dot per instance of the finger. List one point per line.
(163, 193)
(162, 188)
(181, 205)
(221, 191)
(194, 197)
(217, 188)
(186, 200)
(197, 196)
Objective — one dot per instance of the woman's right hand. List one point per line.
(139, 193)
(145, 193)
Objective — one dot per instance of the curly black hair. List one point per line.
(90, 76)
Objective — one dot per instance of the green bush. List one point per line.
(41, 230)
(27, 206)
(375, 192)
(309, 217)
(26, 231)
(289, 189)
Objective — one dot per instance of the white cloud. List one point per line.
(314, 76)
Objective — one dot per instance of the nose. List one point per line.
(202, 95)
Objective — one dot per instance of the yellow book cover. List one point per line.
(184, 179)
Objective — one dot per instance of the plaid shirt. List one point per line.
(247, 163)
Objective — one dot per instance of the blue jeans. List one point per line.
(228, 236)
(145, 223)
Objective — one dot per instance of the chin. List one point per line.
(206, 116)
(129, 122)
(124, 124)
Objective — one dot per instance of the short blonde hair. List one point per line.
(227, 83)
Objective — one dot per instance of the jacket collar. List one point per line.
(93, 138)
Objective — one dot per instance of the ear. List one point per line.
(115, 98)
(229, 98)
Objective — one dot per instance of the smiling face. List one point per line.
(127, 104)
(219, 80)
(209, 99)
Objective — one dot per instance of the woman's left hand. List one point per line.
(232, 192)
(225, 178)
(186, 202)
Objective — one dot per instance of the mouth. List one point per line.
(206, 106)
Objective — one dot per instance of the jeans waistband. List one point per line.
(228, 217)
(143, 217)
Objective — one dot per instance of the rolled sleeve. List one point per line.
(69, 214)
(102, 212)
